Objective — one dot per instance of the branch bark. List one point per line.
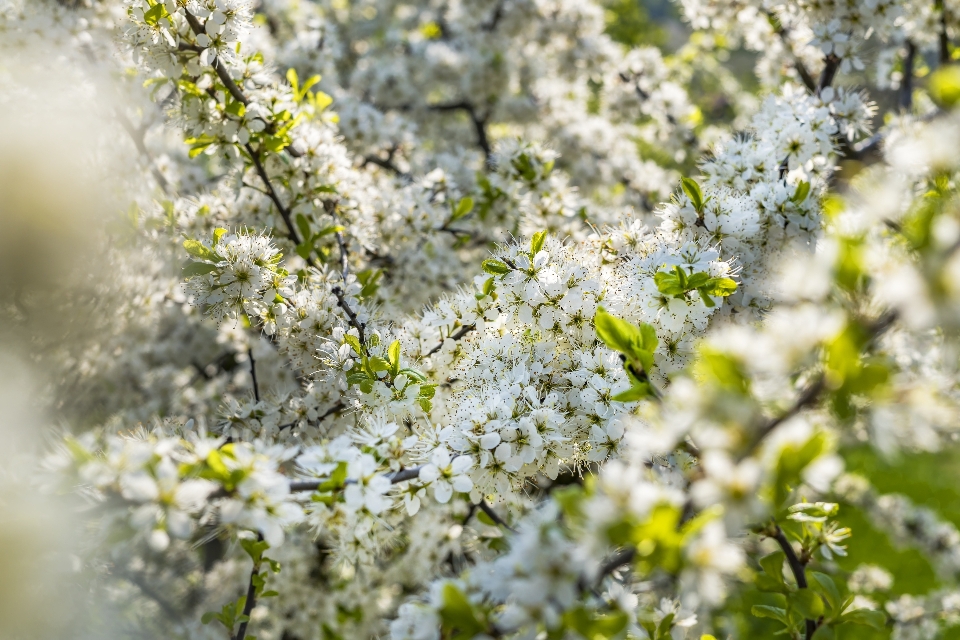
(799, 573)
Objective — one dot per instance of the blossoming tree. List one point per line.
(450, 319)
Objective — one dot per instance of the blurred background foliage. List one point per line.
(930, 480)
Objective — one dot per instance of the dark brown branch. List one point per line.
(617, 560)
(944, 40)
(198, 28)
(812, 392)
(906, 88)
(459, 333)
(385, 164)
(253, 374)
(250, 602)
(487, 509)
(218, 66)
(400, 476)
(797, 568)
(338, 407)
(351, 316)
(830, 67)
(479, 124)
(801, 68)
(494, 19)
(344, 256)
(272, 194)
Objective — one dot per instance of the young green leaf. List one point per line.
(495, 267)
(198, 250)
(198, 269)
(536, 242)
(692, 189)
(803, 190)
(807, 603)
(393, 354)
(464, 207)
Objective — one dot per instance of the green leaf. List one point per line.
(304, 250)
(235, 108)
(773, 565)
(803, 190)
(875, 619)
(334, 228)
(722, 287)
(457, 613)
(536, 242)
(393, 355)
(292, 79)
(304, 226)
(464, 207)
(354, 342)
(826, 587)
(824, 632)
(154, 14)
(663, 631)
(336, 480)
(198, 250)
(669, 284)
(765, 583)
(488, 286)
(633, 394)
(379, 364)
(277, 143)
(218, 233)
(766, 611)
(197, 269)
(807, 603)
(692, 189)
(485, 519)
(635, 342)
(208, 617)
(594, 626)
(495, 267)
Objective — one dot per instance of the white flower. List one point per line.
(446, 474)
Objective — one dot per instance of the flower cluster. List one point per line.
(493, 325)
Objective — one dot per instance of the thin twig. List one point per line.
(459, 333)
(351, 316)
(830, 67)
(802, 70)
(797, 568)
(326, 414)
(944, 40)
(479, 124)
(344, 256)
(253, 374)
(812, 392)
(218, 66)
(906, 89)
(272, 194)
(487, 509)
(386, 164)
(400, 476)
(617, 560)
(251, 600)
